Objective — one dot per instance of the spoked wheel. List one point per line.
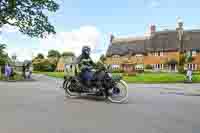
(64, 84)
(68, 86)
(119, 93)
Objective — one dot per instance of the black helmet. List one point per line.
(86, 50)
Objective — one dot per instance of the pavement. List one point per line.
(41, 107)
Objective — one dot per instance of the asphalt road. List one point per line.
(40, 107)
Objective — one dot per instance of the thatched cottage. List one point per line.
(159, 49)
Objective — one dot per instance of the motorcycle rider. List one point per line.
(85, 65)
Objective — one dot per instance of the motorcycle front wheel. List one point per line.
(68, 87)
(119, 93)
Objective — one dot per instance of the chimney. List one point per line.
(179, 23)
(152, 29)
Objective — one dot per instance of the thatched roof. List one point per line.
(131, 46)
(163, 41)
(159, 41)
(191, 39)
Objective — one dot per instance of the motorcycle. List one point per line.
(104, 84)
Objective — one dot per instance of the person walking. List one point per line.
(24, 71)
(30, 71)
(189, 74)
(7, 71)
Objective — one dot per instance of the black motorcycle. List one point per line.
(103, 84)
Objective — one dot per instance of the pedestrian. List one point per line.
(30, 71)
(7, 71)
(189, 74)
(24, 71)
(12, 74)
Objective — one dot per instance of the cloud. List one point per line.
(8, 28)
(75, 40)
(21, 53)
(67, 41)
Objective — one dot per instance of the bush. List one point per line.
(140, 71)
(148, 67)
(117, 71)
(44, 65)
(190, 59)
(181, 69)
(129, 74)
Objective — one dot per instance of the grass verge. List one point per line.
(143, 77)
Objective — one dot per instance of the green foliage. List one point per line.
(148, 67)
(189, 59)
(117, 71)
(102, 58)
(182, 60)
(40, 56)
(53, 53)
(67, 54)
(44, 65)
(28, 15)
(3, 56)
(2, 48)
(181, 69)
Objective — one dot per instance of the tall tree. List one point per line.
(54, 57)
(2, 48)
(3, 55)
(67, 54)
(40, 56)
(28, 15)
(102, 58)
(54, 54)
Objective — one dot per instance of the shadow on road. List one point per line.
(90, 99)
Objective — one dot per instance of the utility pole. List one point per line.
(180, 32)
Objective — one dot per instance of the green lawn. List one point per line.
(143, 77)
(53, 74)
(159, 78)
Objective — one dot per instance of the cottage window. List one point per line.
(115, 66)
(192, 66)
(194, 53)
(158, 53)
(161, 54)
(162, 66)
(158, 66)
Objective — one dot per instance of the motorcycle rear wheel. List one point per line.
(122, 86)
